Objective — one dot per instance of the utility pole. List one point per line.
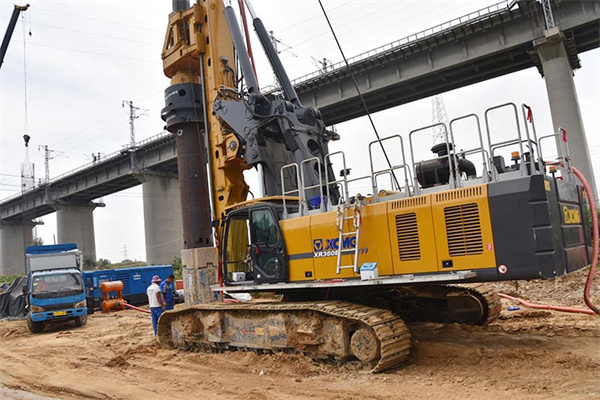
(134, 113)
(276, 42)
(124, 252)
(322, 65)
(47, 158)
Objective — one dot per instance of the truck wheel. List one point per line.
(34, 326)
(80, 321)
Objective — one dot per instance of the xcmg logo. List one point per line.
(349, 242)
(330, 247)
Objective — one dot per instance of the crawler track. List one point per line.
(472, 304)
(324, 329)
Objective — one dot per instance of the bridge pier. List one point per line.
(75, 224)
(14, 238)
(162, 218)
(564, 106)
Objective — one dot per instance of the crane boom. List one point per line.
(10, 29)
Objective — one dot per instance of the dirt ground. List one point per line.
(524, 355)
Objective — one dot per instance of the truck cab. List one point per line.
(54, 288)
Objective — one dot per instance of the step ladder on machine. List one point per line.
(341, 224)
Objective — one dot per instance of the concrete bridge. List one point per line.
(497, 40)
(152, 163)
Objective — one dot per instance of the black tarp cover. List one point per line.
(12, 301)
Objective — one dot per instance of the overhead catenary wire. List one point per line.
(359, 94)
(96, 19)
(91, 33)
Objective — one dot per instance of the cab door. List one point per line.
(267, 249)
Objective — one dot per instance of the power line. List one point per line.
(96, 19)
(113, 56)
(91, 33)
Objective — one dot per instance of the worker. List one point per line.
(155, 301)
(166, 292)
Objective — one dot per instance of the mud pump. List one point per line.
(351, 267)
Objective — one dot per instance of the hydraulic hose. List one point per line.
(137, 308)
(527, 304)
(594, 262)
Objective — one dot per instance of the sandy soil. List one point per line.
(524, 355)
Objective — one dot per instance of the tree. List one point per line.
(103, 263)
(38, 241)
(88, 263)
(177, 268)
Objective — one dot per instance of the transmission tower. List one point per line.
(438, 116)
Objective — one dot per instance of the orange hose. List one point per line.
(590, 278)
(547, 307)
(137, 308)
(594, 264)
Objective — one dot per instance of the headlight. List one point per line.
(81, 304)
(36, 309)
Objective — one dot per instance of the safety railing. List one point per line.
(391, 170)
(297, 191)
(480, 149)
(564, 153)
(332, 182)
(304, 165)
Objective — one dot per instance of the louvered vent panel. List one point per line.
(410, 202)
(463, 230)
(408, 237)
(458, 194)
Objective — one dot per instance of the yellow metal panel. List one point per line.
(412, 235)
(463, 228)
(374, 240)
(299, 245)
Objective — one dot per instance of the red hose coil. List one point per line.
(593, 310)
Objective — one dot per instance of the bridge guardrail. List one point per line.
(408, 40)
(106, 158)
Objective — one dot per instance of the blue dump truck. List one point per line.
(135, 282)
(54, 287)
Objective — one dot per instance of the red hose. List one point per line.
(590, 278)
(137, 308)
(547, 307)
(594, 264)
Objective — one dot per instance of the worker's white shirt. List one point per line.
(151, 292)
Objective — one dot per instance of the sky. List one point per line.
(83, 58)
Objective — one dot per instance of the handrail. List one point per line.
(319, 185)
(328, 183)
(484, 174)
(493, 146)
(390, 170)
(527, 113)
(299, 188)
